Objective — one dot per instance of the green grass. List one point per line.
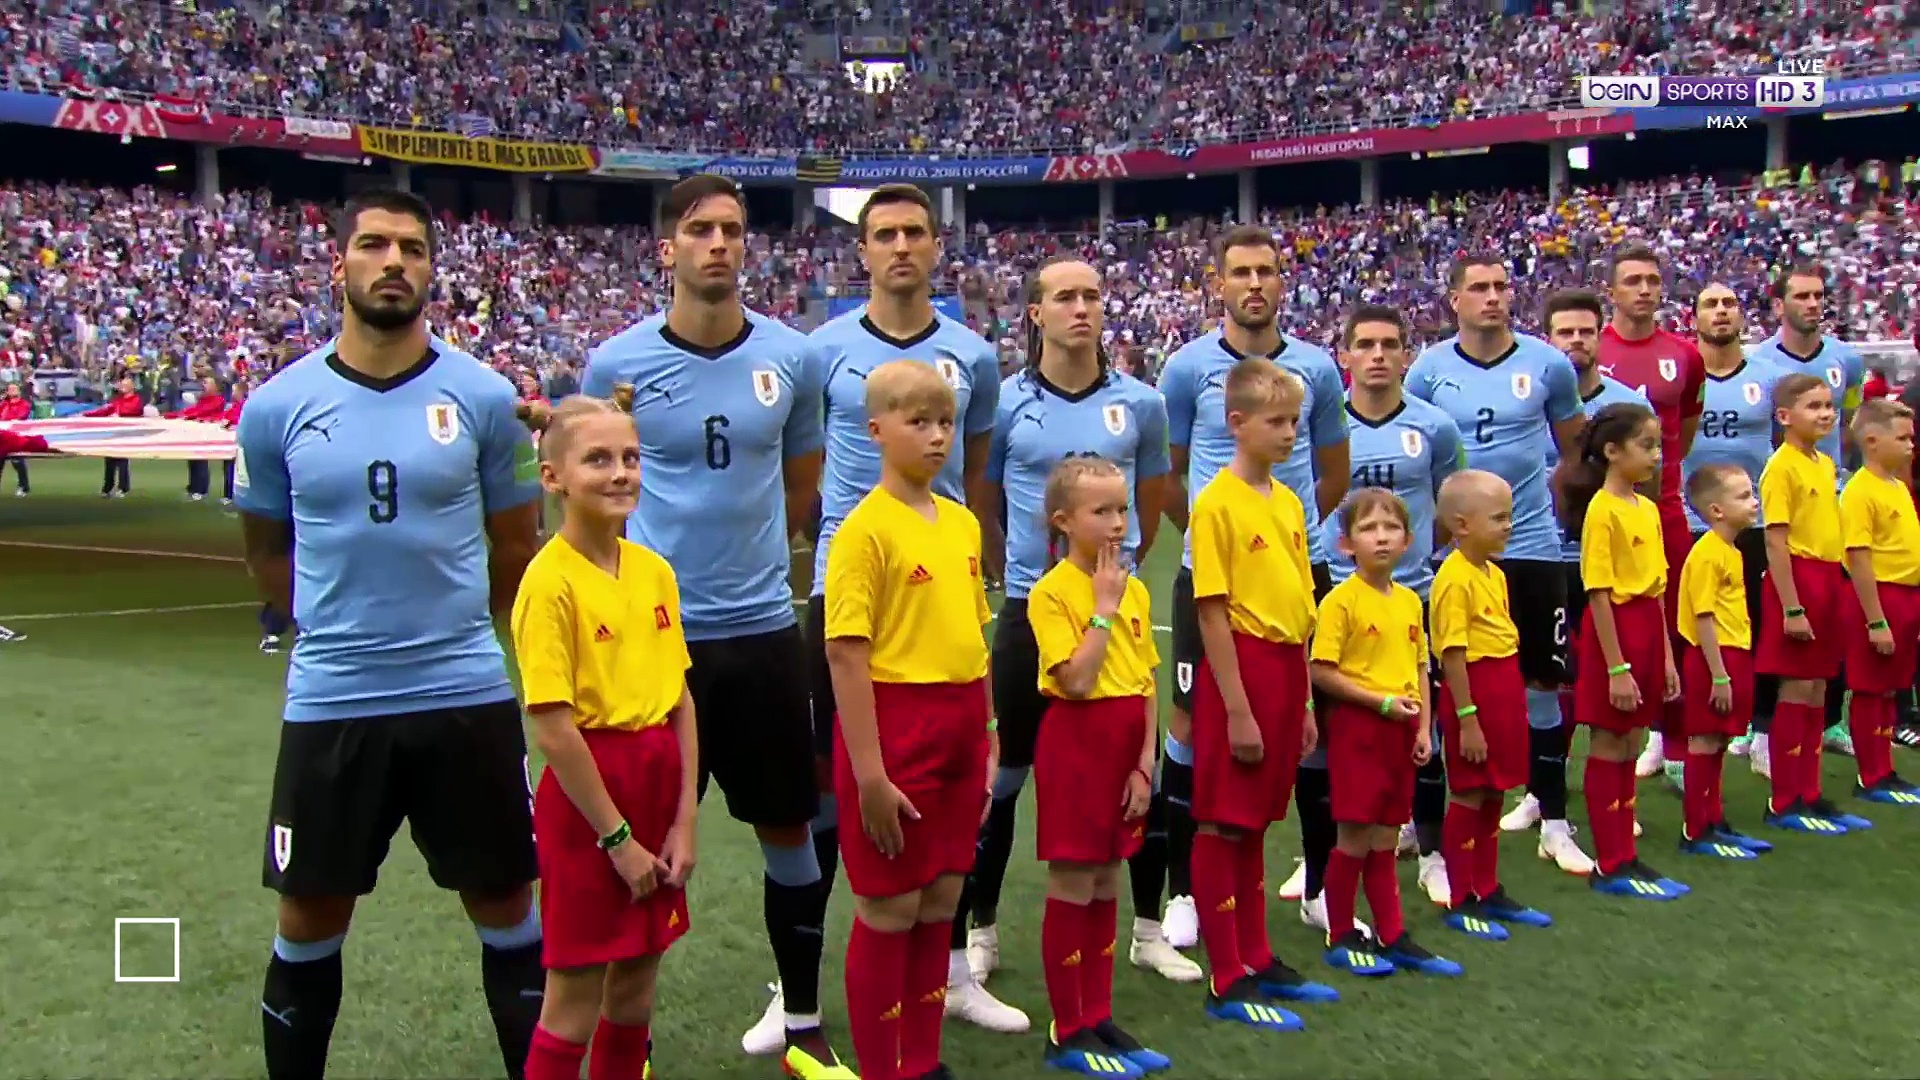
(142, 749)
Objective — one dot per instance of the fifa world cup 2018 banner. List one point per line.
(502, 155)
(146, 438)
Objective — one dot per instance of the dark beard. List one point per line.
(384, 315)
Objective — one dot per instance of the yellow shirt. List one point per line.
(1797, 490)
(1376, 639)
(911, 588)
(1620, 547)
(1470, 610)
(1251, 548)
(1713, 582)
(610, 648)
(1877, 514)
(1058, 609)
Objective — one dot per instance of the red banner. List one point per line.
(1457, 135)
(176, 120)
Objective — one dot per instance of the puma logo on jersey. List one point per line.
(919, 576)
(601, 633)
(1259, 543)
(325, 430)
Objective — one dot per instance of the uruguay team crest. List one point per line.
(1669, 368)
(948, 370)
(1411, 442)
(1115, 417)
(1751, 392)
(1522, 385)
(282, 847)
(1833, 377)
(766, 387)
(1183, 674)
(443, 423)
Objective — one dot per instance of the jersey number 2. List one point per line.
(383, 487)
(1483, 418)
(719, 450)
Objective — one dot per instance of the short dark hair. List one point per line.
(1571, 300)
(1778, 289)
(1457, 273)
(391, 200)
(682, 197)
(1366, 313)
(894, 195)
(1243, 236)
(1635, 252)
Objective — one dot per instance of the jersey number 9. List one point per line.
(383, 487)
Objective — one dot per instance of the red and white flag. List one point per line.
(146, 438)
(179, 109)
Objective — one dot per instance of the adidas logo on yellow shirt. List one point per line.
(919, 576)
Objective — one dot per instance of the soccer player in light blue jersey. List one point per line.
(728, 403)
(1408, 447)
(387, 495)
(1247, 280)
(900, 248)
(1068, 401)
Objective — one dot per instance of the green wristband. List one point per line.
(1795, 612)
(1462, 714)
(1619, 669)
(993, 724)
(1877, 624)
(1099, 622)
(1386, 706)
(621, 834)
(1723, 682)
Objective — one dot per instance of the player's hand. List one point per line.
(677, 855)
(1422, 747)
(1797, 627)
(1109, 580)
(1673, 681)
(637, 867)
(1881, 640)
(882, 806)
(1622, 692)
(1243, 738)
(1721, 698)
(1138, 794)
(1309, 732)
(1403, 708)
(1473, 741)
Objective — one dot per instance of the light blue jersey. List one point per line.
(1408, 452)
(1118, 418)
(1736, 425)
(387, 484)
(851, 346)
(717, 427)
(1194, 384)
(1835, 363)
(1611, 391)
(1505, 411)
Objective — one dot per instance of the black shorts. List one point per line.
(820, 678)
(750, 695)
(1187, 650)
(1017, 701)
(1537, 600)
(457, 777)
(1752, 545)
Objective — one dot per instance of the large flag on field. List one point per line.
(146, 438)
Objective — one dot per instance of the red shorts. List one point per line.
(1643, 644)
(1500, 693)
(1823, 588)
(933, 744)
(1369, 765)
(588, 916)
(1225, 791)
(1867, 671)
(1085, 755)
(1701, 719)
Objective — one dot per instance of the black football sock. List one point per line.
(962, 912)
(1547, 769)
(1313, 800)
(1176, 792)
(515, 984)
(1147, 870)
(298, 1007)
(995, 850)
(794, 902)
(1429, 804)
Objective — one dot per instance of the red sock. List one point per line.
(1486, 849)
(1813, 736)
(551, 1057)
(1603, 804)
(619, 1051)
(1096, 969)
(1783, 743)
(1063, 943)
(1628, 786)
(1341, 887)
(1383, 896)
(1459, 835)
(923, 1007)
(1215, 863)
(1700, 792)
(876, 978)
(1870, 722)
(1250, 902)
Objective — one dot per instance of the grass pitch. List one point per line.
(141, 727)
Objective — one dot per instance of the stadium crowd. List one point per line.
(90, 278)
(980, 78)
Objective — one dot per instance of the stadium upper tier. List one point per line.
(984, 77)
(92, 276)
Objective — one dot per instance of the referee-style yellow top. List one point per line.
(1250, 547)
(1713, 582)
(1620, 547)
(1797, 489)
(1376, 639)
(610, 648)
(1877, 514)
(1470, 610)
(911, 588)
(1059, 608)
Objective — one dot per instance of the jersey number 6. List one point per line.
(383, 487)
(719, 450)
